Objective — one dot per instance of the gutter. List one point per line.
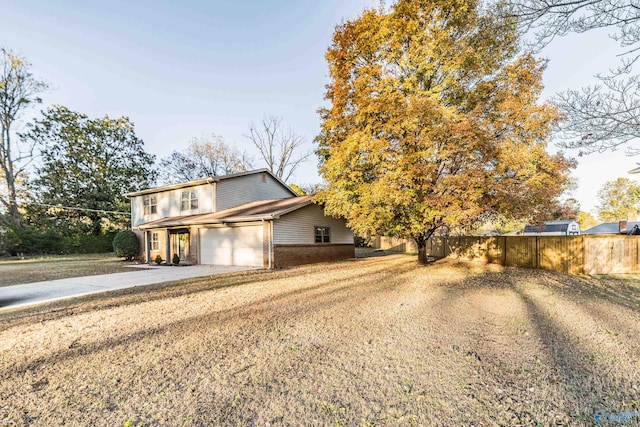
(209, 221)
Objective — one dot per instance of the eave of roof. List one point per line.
(248, 212)
(208, 180)
(610, 228)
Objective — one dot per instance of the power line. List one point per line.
(72, 208)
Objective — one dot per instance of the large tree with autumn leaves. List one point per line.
(434, 121)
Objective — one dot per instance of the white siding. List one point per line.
(168, 204)
(232, 246)
(298, 226)
(244, 189)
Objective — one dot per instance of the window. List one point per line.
(155, 243)
(149, 205)
(189, 200)
(322, 235)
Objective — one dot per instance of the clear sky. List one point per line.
(181, 69)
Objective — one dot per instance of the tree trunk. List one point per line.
(421, 241)
(422, 252)
(9, 178)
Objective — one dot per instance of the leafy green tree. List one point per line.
(434, 121)
(18, 90)
(618, 200)
(88, 165)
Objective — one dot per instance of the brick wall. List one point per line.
(289, 255)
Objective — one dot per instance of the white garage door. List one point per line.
(231, 246)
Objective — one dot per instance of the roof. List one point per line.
(550, 226)
(252, 211)
(610, 228)
(208, 180)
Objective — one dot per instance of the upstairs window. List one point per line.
(189, 200)
(322, 235)
(150, 206)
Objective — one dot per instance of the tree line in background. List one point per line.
(65, 176)
(433, 121)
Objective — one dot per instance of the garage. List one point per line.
(239, 245)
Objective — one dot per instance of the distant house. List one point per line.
(246, 219)
(609, 228)
(568, 227)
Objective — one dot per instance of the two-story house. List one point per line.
(249, 219)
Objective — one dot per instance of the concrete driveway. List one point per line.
(51, 290)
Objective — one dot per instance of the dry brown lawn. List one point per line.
(376, 341)
(17, 271)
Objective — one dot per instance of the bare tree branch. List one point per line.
(18, 90)
(278, 147)
(204, 157)
(602, 117)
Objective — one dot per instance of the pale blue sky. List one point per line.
(186, 69)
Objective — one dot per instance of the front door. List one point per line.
(181, 245)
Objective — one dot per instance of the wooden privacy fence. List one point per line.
(565, 254)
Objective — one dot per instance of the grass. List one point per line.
(370, 342)
(35, 269)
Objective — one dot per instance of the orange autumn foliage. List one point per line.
(434, 121)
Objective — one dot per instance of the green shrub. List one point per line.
(28, 240)
(89, 244)
(175, 260)
(361, 242)
(125, 244)
(158, 259)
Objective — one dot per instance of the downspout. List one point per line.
(270, 244)
(214, 195)
(269, 240)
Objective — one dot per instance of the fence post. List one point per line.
(504, 250)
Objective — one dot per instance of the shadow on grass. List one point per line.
(141, 294)
(570, 360)
(325, 293)
(352, 283)
(621, 292)
(586, 383)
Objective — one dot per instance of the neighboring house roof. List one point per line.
(252, 211)
(208, 181)
(550, 227)
(611, 228)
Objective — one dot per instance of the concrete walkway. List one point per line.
(51, 290)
